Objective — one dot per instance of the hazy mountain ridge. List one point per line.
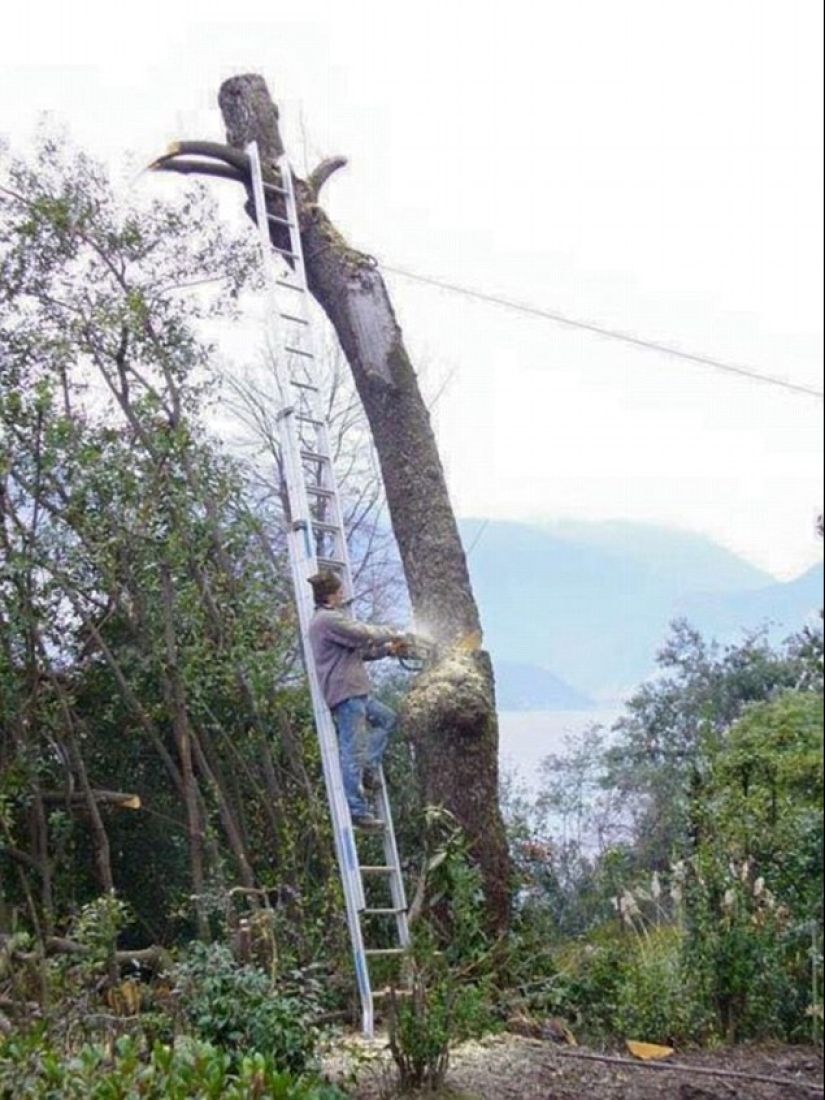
(590, 604)
(699, 562)
(530, 687)
(783, 606)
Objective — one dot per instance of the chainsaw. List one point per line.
(418, 652)
(415, 652)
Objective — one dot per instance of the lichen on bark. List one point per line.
(452, 692)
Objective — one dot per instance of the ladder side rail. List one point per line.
(273, 328)
(302, 536)
(303, 564)
(337, 516)
(396, 882)
(314, 400)
(396, 878)
(306, 532)
(305, 328)
(326, 520)
(300, 518)
(343, 832)
(295, 243)
(345, 848)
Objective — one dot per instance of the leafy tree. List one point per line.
(657, 761)
(141, 644)
(765, 797)
(570, 844)
(754, 881)
(707, 911)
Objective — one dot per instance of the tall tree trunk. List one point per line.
(176, 700)
(451, 709)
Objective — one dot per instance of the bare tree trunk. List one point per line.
(231, 826)
(451, 710)
(20, 738)
(17, 741)
(183, 739)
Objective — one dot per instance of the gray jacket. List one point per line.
(340, 645)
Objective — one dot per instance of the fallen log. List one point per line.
(154, 958)
(124, 799)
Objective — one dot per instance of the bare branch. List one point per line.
(322, 173)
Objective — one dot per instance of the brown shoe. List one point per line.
(371, 780)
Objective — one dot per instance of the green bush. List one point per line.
(420, 1033)
(31, 1069)
(241, 1010)
(435, 1012)
(741, 952)
(654, 1000)
(449, 971)
(590, 981)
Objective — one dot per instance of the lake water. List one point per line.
(526, 737)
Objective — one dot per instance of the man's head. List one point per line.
(324, 586)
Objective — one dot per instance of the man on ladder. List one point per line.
(316, 539)
(340, 646)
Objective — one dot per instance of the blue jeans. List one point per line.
(364, 726)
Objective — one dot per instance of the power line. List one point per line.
(479, 533)
(601, 330)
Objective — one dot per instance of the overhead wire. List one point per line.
(602, 330)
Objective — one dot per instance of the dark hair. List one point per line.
(324, 584)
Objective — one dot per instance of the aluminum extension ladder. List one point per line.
(317, 540)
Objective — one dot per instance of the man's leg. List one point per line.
(351, 724)
(381, 723)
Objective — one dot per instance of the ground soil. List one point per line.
(512, 1067)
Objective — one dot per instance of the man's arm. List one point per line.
(370, 640)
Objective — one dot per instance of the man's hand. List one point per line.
(398, 647)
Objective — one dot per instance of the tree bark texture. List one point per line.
(451, 711)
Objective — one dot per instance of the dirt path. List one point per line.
(510, 1067)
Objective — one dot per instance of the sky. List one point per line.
(645, 166)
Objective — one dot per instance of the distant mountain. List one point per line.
(699, 563)
(783, 608)
(530, 687)
(591, 604)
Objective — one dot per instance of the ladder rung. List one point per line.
(274, 187)
(314, 456)
(295, 320)
(320, 491)
(289, 286)
(383, 912)
(378, 952)
(327, 528)
(279, 220)
(299, 351)
(290, 255)
(331, 563)
(378, 870)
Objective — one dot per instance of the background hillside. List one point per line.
(574, 613)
